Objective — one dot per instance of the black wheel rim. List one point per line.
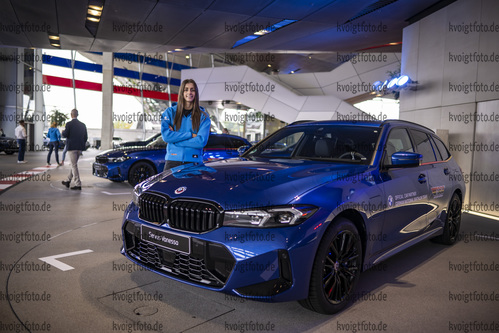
(341, 267)
(454, 218)
(141, 173)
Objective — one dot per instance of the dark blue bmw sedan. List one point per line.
(136, 163)
(301, 214)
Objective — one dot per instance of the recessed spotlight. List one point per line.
(94, 12)
(94, 7)
(93, 19)
(54, 37)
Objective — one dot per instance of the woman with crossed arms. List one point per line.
(185, 127)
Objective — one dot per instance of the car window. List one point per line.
(441, 149)
(236, 143)
(398, 140)
(217, 142)
(158, 143)
(283, 147)
(423, 145)
(324, 142)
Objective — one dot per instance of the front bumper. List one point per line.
(261, 264)
(110, 171)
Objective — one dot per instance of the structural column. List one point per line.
(10, 109)
(107, 130)
(38, 114)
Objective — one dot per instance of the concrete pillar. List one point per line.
(10, 107)
(107, 130)
(38, 115)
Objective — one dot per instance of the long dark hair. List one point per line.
(196, 110)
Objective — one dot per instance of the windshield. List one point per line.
(354, 144)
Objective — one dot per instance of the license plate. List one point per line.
(166, 239)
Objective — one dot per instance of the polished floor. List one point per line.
(91, 287)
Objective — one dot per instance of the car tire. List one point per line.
(9, 152)
(340, 268)
(452, 222)
(140, 171)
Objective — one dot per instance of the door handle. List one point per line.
(422, 178)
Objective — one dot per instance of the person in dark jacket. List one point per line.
(76, 135)
(54, 137)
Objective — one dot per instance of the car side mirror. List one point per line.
(241, 150)
(403, 159)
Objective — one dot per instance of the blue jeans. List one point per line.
(22, 149)
(53, 145)
(65, 151)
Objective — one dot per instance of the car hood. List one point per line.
(240, 183)
(128, 150)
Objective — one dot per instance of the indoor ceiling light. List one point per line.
(94, 12)
(262, 32)
(392, 82)
(54, 39)
(402, 80)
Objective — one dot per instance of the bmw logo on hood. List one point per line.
(180, 190)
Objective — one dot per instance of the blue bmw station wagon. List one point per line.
(299, 215)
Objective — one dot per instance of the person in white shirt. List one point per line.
(20, 133)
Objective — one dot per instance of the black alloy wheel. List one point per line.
(452, 222)
(336, 269)
(139, 172)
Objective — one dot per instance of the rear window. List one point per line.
(442, 150)
(423, 145)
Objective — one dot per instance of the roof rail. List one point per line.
(301, 122)
(406, 122)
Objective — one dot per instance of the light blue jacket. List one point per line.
(53, 134)
(181, 145)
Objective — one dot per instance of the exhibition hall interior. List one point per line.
(333, 166)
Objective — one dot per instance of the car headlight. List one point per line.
(120, 159)
(137, 191)
(268, 217)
